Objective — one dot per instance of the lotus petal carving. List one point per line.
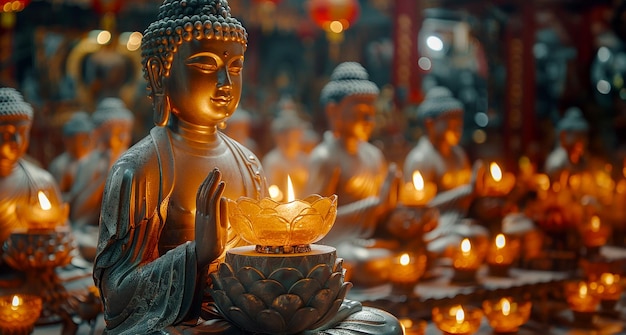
(270, 223)
(286, 302)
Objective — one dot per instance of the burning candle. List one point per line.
(505, 315)
(418, 192)
(595, 233)
(465, 261)
(497, 183)
(608, 288)
(580, 298)
(277, 227)
(43, 214)
(501, 255)
(407, 269)
(18, 313)
(457, 320)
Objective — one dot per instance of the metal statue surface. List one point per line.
(163, 220)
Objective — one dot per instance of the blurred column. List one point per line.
(519, 127)
(406, 78)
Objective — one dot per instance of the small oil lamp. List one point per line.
(417, 193)
(594, 234)
(505, 315)
(18, 314)
(282, 276)
(406, 270)
(466, 260)
(608, 288)
(581, 301)
(457, 320)
(502, 253)
(496, 183)
(41, 214)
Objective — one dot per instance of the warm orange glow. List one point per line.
(336, 27)
(15, 302)
(418, 181)
(405, 259)
(460, 315)
(543, 181)
(275, 193)
(506, 306)
(595, 223)
(582, 290)
(607, 278)
(500, 241)
(495, 171)
(466, 246)
(290, 193)
(43, 201)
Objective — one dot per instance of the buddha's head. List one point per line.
(193, 59)
(442, 115)
(349, 99)
(114, 124)
(287, 129)
(77, 137)
(573, 130)
(16, 117)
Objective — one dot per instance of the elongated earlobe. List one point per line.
(160, 101)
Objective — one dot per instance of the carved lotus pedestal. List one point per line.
(280, 293)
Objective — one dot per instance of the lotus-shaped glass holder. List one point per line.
(279, 293)
(276, 227)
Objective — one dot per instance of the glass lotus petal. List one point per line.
(285, 302)
(270, 223)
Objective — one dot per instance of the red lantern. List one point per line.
(334, 15)
(13, 5)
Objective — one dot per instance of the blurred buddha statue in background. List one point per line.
(287, 158)
(113, 133)
(23, 185)
(347, 165)
(438, 155)
(239, 128)
(78, 142)
(570, 153)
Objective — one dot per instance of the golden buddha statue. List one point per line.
(78, 143)
(163, 224)
(570, 153)
(346, 164)
(287, 158)
(113, 132)
(29, 195)
(438, 155)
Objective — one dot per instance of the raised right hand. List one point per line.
(211, 219)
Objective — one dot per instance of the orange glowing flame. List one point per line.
(496, 173)
(506, 306)
(290, 193)
(43, 201)
(466, 246)
(405, 259)
(460, 315)
(418, 181)
(595, 223)
(500, 241)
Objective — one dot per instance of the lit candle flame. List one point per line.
(43, 201)
(500, 241)
(496, 173)
(582, 290)
(460, 315)
(466, 246)
(290, 193)
(405, 259)
(418, 181)
(15, 302)
(607, 279)
(506, 306)
(595, 223)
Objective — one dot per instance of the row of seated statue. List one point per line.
(160, 214)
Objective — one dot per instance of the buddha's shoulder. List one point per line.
(37, 173)
(141, 156)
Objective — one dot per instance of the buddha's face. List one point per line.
(354, 116)
(116, 135)
(78, 145)
(14, 137)
(204, 85)
(449, 127)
